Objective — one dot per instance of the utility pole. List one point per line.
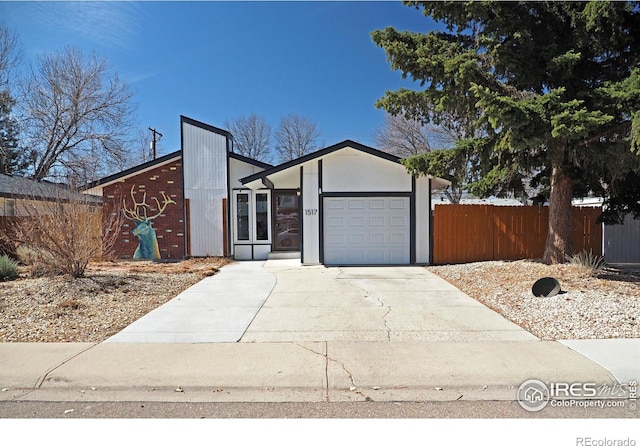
(155, 139)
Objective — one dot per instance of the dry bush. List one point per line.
(61, 234)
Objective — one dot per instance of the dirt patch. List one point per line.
(111, 296)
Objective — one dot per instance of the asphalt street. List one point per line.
(324, 410)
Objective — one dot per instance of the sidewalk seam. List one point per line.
(326, 370)
(41, 380)
(263, 302)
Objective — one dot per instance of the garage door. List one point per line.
(366, 230)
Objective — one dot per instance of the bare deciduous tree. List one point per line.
(10, 55)
(406, 137)
(251, 136)
(295, 136)
(77, 116)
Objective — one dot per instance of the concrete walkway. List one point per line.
(217, 309)
(620, 356)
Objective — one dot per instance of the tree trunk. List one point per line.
(559, 237)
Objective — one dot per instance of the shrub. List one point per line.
(40, 263)
(588, 260)
(63, 233)
(8, 268)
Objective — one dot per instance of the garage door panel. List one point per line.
(400, 221)
(334, 239)
(356, 239)
(397, 203)
(336, 222)
(376, 203)
(356, 204)
(377, 239)
(335, 204)
(366, 230)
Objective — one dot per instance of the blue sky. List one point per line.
(215, 61)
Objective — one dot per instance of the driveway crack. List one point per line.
(353, 387)
(369, 294)
(386, 323)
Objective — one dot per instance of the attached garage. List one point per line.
(357, 206)
(366, 230)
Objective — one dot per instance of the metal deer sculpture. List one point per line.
(147, 241)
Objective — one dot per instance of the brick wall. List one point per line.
(169, 226)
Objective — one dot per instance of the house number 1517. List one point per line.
(310, 211)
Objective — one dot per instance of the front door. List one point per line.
(286, 221)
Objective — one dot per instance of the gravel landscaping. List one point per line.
(95, 307)
(599, 305)
(602, 305)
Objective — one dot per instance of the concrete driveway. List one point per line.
(281, 301)
(372, 304)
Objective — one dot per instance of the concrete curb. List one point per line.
(278, 372)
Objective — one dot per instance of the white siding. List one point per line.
(350, 170)
(239, 169)
(310, 214)
(423, 220)
(205, 186)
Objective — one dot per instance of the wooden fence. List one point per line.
(474, 233)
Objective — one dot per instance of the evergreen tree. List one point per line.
(10, 153)
(553, 88)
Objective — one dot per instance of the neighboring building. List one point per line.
(441, 198)
(20, 197)
(344, 204)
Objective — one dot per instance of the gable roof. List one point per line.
(318, 154)
(134, 170)
(159, 162)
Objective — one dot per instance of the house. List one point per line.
(342, 205)
(21, 197)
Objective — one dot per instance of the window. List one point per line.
(10, 208)
(262, 216)
(251, 216)
(242, 216)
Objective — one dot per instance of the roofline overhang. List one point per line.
(251, 161)
(134, 170)
(318, 154)
(202, 125)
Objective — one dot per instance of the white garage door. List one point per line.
(366, 230)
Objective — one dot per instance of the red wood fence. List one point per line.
(474, 233)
